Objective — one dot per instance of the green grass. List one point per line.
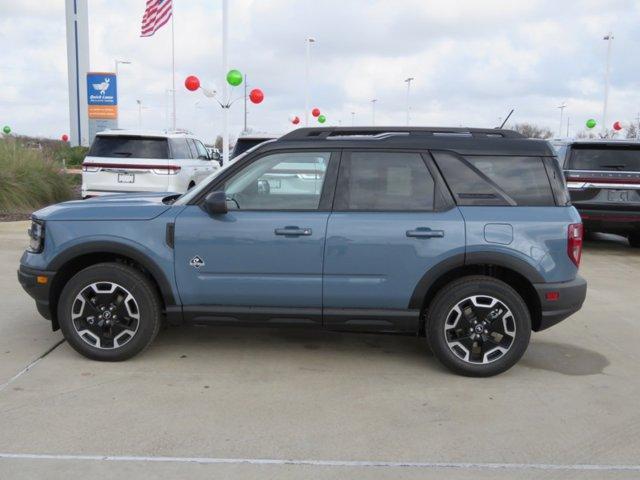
(72, 156)
(30, 178)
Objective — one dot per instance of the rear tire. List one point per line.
(634, 239)
(478, 326)
(109, 312)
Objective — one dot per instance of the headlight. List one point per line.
(36, 236)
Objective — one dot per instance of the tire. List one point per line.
(634, 239)
(191, 185)
(106, 322)
(497, 345)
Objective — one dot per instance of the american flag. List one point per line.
(157, 13)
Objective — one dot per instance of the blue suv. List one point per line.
(463, 236)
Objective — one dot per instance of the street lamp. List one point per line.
(123, 62)
(408, 82)
(561, 107)
(373, 111)
(308, 41)
(139, 102)
(609, 39)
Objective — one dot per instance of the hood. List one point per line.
(138, 206)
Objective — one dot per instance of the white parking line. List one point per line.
(30, 366)
(325, 463)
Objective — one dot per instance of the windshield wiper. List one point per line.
(122, 154)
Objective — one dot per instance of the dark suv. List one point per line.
(603, 177)
(464, 236)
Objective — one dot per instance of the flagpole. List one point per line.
(173, 70)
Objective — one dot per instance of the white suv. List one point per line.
(122, 161)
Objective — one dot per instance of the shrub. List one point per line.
(29, 179)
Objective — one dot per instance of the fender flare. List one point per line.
(504, 260)
(117, 248)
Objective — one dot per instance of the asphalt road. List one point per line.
(270, 403)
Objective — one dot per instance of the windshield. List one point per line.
(129, 147)
(607, 158)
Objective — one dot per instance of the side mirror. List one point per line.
(215, 203)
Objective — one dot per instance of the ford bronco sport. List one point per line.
(463, 236)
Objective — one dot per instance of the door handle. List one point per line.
(293, 231)
(425, 232)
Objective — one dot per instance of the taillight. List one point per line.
(87, 167)
(574, 243)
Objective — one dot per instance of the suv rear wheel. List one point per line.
(478, 326)
(634, 239)
(109, 312)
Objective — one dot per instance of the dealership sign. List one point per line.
(102, 102)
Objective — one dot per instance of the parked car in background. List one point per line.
(249, 140)
(603, 177)
(463, 236)
(124, 161)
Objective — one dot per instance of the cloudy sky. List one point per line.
(472, 61)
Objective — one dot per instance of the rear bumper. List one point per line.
(607, 220)
(39, 292)
(570, 297)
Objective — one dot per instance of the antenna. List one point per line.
(505, 120)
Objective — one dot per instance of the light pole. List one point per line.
(408, 82)
(373, 111)
(561, 107)
(225, 85)
(353, 118)
(609, 39)
(123, 62)
(308, 41)
(139, 102)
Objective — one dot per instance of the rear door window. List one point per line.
(606, 158)
(384, 181)
(121, 146)
(201, 151)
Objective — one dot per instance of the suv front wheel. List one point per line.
(109, 312)
(478, 326)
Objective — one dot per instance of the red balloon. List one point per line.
(192, 83)
(256, 95)
(295, 120)
(65, 137)
(617, 126)
(315, 112)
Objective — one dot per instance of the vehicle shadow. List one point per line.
(603, 242)
(564, 358)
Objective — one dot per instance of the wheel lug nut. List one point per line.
(486, 331)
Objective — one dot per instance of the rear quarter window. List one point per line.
(496, 180)
(116, 146)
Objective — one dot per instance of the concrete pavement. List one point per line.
(247, 395)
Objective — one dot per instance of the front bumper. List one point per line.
(570, 297)
(28, 278)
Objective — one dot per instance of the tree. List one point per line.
(632, 131)
(532, 131)
(218, 143)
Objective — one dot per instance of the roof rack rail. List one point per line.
(381, 133)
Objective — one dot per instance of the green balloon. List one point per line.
(322, 118)
(7, 129)
(234, 77)
(591, 123)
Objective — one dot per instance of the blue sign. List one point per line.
(102, 89)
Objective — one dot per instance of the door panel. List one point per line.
(248, 263)
(375, 259)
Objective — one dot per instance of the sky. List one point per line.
(472, 61)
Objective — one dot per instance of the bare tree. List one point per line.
(218, 142)
(632, 131)
(532, 131)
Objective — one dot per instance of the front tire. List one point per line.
(478, 326)
(109, 312)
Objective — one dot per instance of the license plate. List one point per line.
(126, 178)
(618, 195)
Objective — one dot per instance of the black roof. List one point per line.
(469, 141)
